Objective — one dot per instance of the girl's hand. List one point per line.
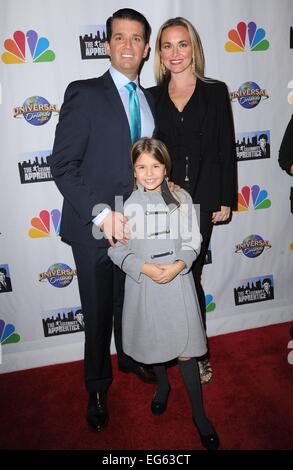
(170, 271)
(151, 270)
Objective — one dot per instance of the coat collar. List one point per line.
(165, 194)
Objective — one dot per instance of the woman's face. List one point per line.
(176, 49)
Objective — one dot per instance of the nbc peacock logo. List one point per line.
(258, 197)
(22, 44)
(42, 226)
(238, 38)
(7, 333)
(210, 304)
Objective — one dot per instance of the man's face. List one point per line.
(79, 317)
(262, 143)
(266, 287)
(127, 47)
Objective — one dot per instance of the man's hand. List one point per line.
(113, 226)
(222, 215)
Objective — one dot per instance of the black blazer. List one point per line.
(286, 149)
(216, 172)
(91, 161)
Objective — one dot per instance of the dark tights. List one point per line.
(190, 374)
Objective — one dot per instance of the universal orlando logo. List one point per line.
(248, 95)
(36, 110)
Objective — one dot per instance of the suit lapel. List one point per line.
(115, 102)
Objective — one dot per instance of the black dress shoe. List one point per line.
(146, 374)
(209, 441)
(159, 407)
(97, 414)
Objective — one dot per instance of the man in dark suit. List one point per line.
(264, 146)
(5, 282)
(91, 166)
(268, 288)
(286, 149)
(286, 163)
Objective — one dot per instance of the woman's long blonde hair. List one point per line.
(198, 64)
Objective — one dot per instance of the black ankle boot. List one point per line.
(209, 441)
(159, 407)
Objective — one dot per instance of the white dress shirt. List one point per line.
(147, 120)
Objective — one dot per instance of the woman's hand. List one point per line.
(222, 215)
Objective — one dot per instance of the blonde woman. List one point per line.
(196, 124)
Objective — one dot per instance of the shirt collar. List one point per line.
(119, 79)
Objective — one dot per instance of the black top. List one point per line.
(201, 142)
(182, 136)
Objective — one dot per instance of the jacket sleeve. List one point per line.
(71, 139)
(286, 149)
(125, 259)
(227, 150)
(123, 255)
(189, 233)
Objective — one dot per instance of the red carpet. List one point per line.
(249, 401)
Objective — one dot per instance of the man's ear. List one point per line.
(108, 48)
(146, 51)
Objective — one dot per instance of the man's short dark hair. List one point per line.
(3, 270)
(263, 136)
(267, 279)
(129, 14)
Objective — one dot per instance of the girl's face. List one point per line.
(176, 49)
(149, 172)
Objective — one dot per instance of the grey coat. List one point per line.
(160, 321)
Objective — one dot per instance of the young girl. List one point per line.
(161, 316)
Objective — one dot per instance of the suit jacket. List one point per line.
(286, 149)
(215, 173)
(91, 161)
(8, 287)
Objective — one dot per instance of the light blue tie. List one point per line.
(134, 112)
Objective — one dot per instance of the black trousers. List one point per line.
(101, 288)
(206, 228)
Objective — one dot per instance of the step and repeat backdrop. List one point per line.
(44, 45)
